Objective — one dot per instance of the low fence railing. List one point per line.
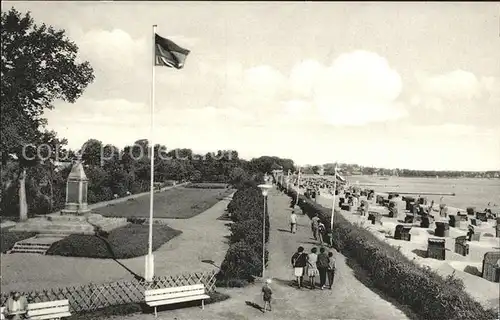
(91, 297)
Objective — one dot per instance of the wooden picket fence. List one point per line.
(91, 297)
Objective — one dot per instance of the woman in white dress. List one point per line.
(312, 269)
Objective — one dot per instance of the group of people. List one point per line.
(314, 264)
(16, 307)
(318, 229)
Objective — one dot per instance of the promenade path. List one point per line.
(349, 298)
(202, 238)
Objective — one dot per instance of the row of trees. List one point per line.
(353, 169)
(113, 172)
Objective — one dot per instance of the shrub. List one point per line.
(243, 260)
(122, 243)
(426, 292)
(207, 185)
(248, 229)
(136, 220)
(9, 238)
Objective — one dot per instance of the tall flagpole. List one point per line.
(288, 181)
(298, 188)
(334, 191)
(150, 269)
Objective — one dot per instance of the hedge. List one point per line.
(207, 185)
(9, 238)
(243, 260)
(122, 243)
(427, 293)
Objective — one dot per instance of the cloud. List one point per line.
(112, 49)
(458, 97)
(264, 80)
(304, 77)
(358, 88)
(455, 85)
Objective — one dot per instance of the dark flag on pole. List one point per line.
(168, 54)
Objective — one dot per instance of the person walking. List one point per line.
(314, 226)
(266, 295)
(293, 222)
(330, 269)
(321, 232)
(312, 269)
(299, 262)
(322, 264)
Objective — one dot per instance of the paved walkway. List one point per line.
(202, 238)
(349, 299)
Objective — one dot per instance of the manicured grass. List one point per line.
(176, 203)
(126, 242)
(9, 238)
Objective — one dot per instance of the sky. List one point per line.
(395, 85)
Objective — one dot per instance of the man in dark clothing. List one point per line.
(299, 262)
(322, 265)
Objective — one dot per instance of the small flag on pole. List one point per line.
(168, 54)
(338, 176)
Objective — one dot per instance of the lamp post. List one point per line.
(265, 189)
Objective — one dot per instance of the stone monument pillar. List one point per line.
(76, 190)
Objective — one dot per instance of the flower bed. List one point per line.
(428, 294)
(243, 260)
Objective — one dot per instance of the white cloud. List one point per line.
(458, 97)
(304, 77)
(114, 49)
(455, 85)
(264, 81)
(296, 107)
(359, 88)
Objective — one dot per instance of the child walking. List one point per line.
(266, 295)
(330, 269)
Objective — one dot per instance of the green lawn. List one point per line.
(9, 238)
(122, 243)
(176, 203)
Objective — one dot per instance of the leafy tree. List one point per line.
(39, 66)
(91, 152)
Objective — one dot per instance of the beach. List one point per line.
(468, 192)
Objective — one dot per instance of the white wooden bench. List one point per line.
(159, 297)
(49, 310)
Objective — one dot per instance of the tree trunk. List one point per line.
(23, 204)
(51, 182)
(51, 202)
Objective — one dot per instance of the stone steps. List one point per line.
(35, 245)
